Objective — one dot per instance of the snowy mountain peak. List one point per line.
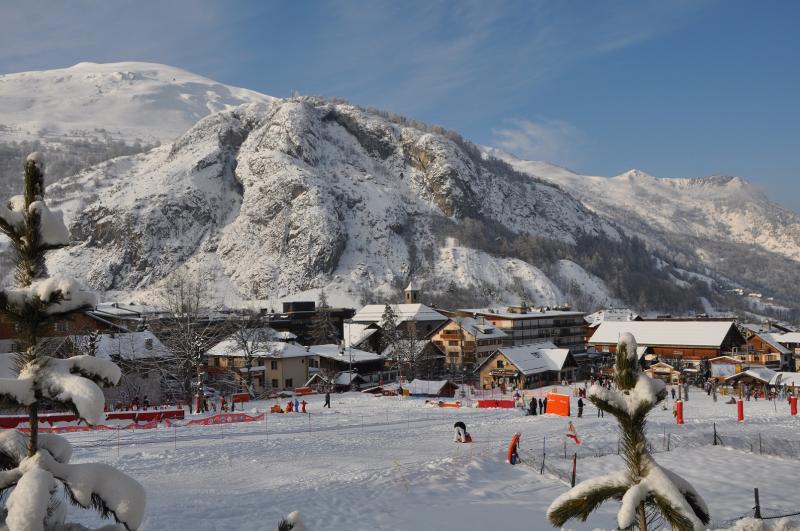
(128, 100)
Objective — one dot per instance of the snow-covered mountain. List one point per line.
(130, 101)
(272, 198)
(720, 222)
(277, 198)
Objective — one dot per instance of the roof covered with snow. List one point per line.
(771, 341)
(788, 337)
(786, 378)
(130, 345)
(668, 333)
(267, 349)
(334, 352)
(373, 313)
(532, 313)
(426, 387)
(534, 358)
(481, 330)
(758, 373)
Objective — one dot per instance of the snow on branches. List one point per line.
(35, 482)
(644, 484)
(53, 295)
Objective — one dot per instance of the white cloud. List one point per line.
(548, 140)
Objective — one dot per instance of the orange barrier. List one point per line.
(449, 404)
(679, 411)
(740, 410)
(303, 391)
(512, 449)
(557, 404)
(793, 405)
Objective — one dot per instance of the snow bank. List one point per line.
(20, 390)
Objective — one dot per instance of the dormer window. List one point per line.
(148, 343)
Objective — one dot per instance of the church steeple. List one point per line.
(411, 293)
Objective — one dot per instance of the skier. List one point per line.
(673, 393)
(461, 435)
(572, 434)
(580, 407)
(289, 406)
(513, 449)
(304, 403)
(296, 405)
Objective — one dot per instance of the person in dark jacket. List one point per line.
(541, 407)
(532, 406)
(544, 407)
(327, 400)
(580, 407)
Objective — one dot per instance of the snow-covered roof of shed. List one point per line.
(119, 309)
(284, 334)
(534, 358)
(759, 373)
(332, 351)
(423, 387)
(689, 333)
(373, 313)
(345, 378)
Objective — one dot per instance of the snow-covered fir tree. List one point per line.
(645, 488)
(34, 465)
(389, 335)
(322, 329)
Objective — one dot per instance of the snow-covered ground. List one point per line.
(385, 463)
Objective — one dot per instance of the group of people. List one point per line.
(133, 405)
(537, 403)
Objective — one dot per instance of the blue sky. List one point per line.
(672, 88)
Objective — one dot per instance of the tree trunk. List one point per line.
(33, 421)
(642, 517)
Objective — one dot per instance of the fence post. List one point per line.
(760, 450)
(715, 434)
(565, 448)
(544, 452)
(117, 442)
(757, 508)
(574, 466)
(669, 436)
(175, 434)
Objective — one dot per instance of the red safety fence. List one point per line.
(158, 415)
(224, 418)
(496, 403)
(99, 427)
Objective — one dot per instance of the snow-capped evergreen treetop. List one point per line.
(644, 486)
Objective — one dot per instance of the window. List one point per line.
(148, 343)
(500, 364)
(13, 347)
(62, 326)
(452, 343)
(274, 366)
(274, 382)
(288, 382)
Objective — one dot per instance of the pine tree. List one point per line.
(645, 487)
(389, 335)
(322, 329)
(34, 465)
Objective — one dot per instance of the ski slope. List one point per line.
(382, 463)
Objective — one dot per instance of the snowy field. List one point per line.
(384, 463)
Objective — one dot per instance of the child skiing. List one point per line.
(572, 434)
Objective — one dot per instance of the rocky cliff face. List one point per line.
(297, 194)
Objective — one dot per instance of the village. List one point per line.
(409, 347)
